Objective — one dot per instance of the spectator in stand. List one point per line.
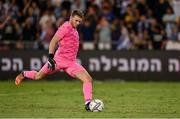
(174, 35)
(157, 35)
(103, 34)
(115, 32)
(140, 40)
(11, 30)
(124, 42)
(78, 4)
(129, 17)
(169, 20)
(142, 24)
(107, 10)
(47, 22)
(160, 9)
(175, 4)
(142, 7)
(87, 29)
(36, 12)
(28, 30)
(47, 34)
(57, 9)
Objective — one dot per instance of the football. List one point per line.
(96, 105)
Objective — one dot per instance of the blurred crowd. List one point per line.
(108, 24)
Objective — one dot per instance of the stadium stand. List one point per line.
(108, 25)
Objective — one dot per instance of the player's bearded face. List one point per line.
(75, 21)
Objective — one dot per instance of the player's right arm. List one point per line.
(52, 47)
(53, 43)
(60, 33)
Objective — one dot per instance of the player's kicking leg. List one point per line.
(34, 75)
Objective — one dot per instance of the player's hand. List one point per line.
(51, 62)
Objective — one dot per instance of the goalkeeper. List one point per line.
(64, 58)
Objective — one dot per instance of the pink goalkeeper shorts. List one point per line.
(69, 67)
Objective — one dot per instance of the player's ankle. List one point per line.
(22, 73)
(87, 106)
(87, 101)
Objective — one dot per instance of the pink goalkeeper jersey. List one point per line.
(69, 43)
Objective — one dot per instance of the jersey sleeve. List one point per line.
(62, 30)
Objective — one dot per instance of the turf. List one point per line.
(64, 99)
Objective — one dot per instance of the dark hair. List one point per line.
(79, 13)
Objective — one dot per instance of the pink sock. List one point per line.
(30, 74)
(87, 90)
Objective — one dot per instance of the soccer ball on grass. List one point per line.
(96, 105)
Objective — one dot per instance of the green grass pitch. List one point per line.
(64, 99)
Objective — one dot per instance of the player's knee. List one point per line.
(38, 77)
(88, 80)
